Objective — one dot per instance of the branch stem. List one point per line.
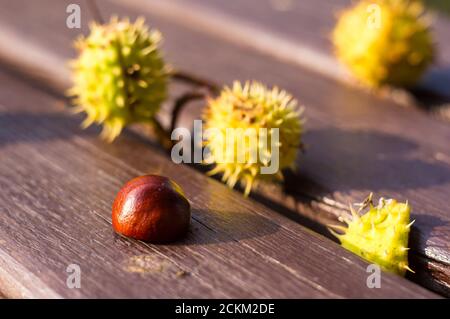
(180, 103)
(195, 80)
(162, 135)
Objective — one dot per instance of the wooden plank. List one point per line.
(58, 183)
(303, 29)
(363, 129)
(300, 35)
(309, 22)
(356, 143)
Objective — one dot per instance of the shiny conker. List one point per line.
(151, 208)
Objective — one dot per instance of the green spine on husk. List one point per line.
(119, 76)
(380, 235)
(384, 42)
(252, 105)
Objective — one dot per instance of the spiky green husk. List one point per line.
(255, 106)
(394, 52)
(380, 235)
(119, 76)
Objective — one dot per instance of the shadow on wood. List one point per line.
(368, 160)
(15, 127)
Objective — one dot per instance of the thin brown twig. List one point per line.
(195, 80)
(180, 103)
(162, 134)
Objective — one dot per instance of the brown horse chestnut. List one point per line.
(151, 208)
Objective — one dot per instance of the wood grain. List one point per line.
(58, 183)
(356, 142)
(303, 29)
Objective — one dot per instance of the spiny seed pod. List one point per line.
(119, 76)
(151, 208)
(384, 42)
(251, 128)
(380, 235)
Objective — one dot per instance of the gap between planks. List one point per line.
(55, 73)
(204, 17)
(132, 156)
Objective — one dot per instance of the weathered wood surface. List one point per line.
(357, 143)
(307, 22)
(300, 31)
(58, 183)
